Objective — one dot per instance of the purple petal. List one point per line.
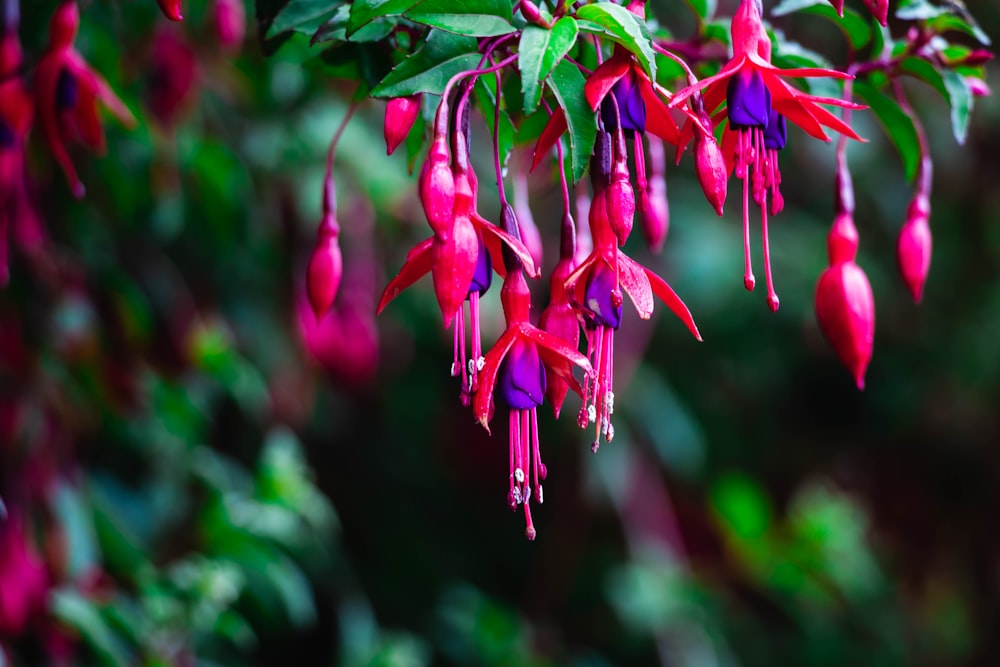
(748, 100)
(67, 90)
(598, 304)
(776, 132)
(482, 278)
(631, 107)
(521, 380)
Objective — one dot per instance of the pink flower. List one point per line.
(758, 102)
(67, 90)
(518, 368)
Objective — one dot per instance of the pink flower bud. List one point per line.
(325, 267)
(655, 213)
(842, 241)
(838, 5)
(230, 21)
(437, 187)
(453, 266)
(711, 169)
(845, 309)
(400, 115)
(977, 58)
(621, 196)
(879, 9)
(978, 86)
(913, 247)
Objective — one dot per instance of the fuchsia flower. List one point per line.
(845, 306)
(23, 580)
(595, 289)
(460, 256)
(560, 318)
(400, 115)
(17, 215)
(230, 22)
(518, 368)
(758, 102)
(913, 246)
(173, 76)
(67, 90)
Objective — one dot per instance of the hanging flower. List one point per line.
(67, 90)
(517, 369)
(758, 102)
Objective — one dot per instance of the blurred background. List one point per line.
(196, 472)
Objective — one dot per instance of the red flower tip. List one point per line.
(978, 87)
(230, 21)
(839, 6)
(711, 169)
(913, 247)
(437, 187)
(65, 24)
(325, 268)
(171, 9)
(400, 115)
(845, 309)
(879, 9)
(454, 258)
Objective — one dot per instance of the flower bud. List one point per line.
(838, 5)
(711, 169)
(325, 267)
(913, 247)
(621, 196)
(437, 187)
(400, 115)
(453, 266)
(656, 213)
(171, 9)
(845, 309)
(842, 241)
(230, 22)
(978, 87)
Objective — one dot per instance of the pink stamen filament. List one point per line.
(772, 297)
(477, 344)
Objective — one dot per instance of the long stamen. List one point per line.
(748, 280)
(529, 530)
(772, 297)
(541, 472)
(477, 361)
(610, 394)
(460, 323)
(594, 410)
(512, 428)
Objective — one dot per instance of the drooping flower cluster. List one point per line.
(750, 100)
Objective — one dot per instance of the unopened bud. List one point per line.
(621, 196)
(531, 13)
(400, 115)
(711, 168)
(845, 309)
(838, 5)
(913, 247)
(976, 58)
(325, 267)
(230, 21)
(656, 213)
(978, 87)
(437, 187)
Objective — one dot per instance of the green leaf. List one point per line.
(623, 27)
(917, 10)
(538, 52)
(82, 615)
(898, 125)
(788, 6)
(428, 70)
(483, 18)
(299, 12)
(364, 12)
(949, 22)
(926, 72)
(567, 83)
(953, 89)
(960, 99)
(335, 29)
(486, 96)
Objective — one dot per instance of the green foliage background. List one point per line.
(245, 506)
